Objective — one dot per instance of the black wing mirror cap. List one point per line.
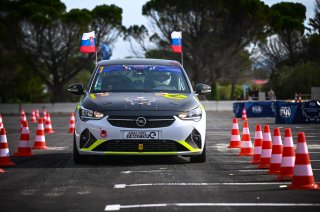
(203, 89)
(76, 88)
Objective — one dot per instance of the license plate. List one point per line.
(141, 135)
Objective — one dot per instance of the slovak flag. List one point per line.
(88, 42)
(176, 41)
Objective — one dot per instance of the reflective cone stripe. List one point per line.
(246, 145)
(244, 114)
(33, 117)
(37, 114)
(1, 123)
(48, 126)
(288, 157)
(235, 141)
(40, 140)
(24, 148)
(71, 123)
(258, 138)
(276, 154)
(302, 173)
(266, 149)
(23, 118)
(45, 115)
(5, 159)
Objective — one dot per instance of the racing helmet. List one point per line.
(162, 78)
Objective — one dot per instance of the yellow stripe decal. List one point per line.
(92, 96)
(182, 142)
(141, 153)
(190, 148)
(94, 145)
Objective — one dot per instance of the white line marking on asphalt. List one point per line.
(253, 170)
(117, 207)
(194, 184)
(149, 171)
(57, 148)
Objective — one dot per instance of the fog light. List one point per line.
(196, 138)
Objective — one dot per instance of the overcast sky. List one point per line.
(132, 15)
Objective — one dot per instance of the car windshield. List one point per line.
(139, 78)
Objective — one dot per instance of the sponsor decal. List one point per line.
(257, 109)
(141, 134)
(285, 112)
(103, 133)
(140, 101)
(311, 111)
(236, 108)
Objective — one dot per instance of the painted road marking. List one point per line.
(57, 148)
(196, 184)
(150, 171)
(117, 207)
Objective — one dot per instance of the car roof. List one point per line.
(139, 61)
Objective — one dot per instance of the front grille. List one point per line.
(130, 122)
(133, 146)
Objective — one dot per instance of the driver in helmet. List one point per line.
(162, 79)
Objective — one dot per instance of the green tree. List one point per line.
(48, 38)
(214, 32)
(289, 80)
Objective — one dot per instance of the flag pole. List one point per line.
(181, 57)
(96, 57)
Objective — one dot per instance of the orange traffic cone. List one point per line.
(48, 127)
(23, 118)
(235, 141)
(266, 149)
(244, 114)
(276, 153)
(24, 148)
(1, 123)
(302, 174)
(45, 115)
(72, 123)
(40, 140)
(5, 159)
(33, 117)
(37, 113)
(257, 145)
(246, 145)
(288, 157)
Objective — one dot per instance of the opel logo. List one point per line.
(141, 121)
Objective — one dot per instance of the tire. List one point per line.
(77, 158)
(199, 158)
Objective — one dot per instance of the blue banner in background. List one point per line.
(297, 113)
(255, 109)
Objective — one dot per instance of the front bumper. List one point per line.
(183, 137)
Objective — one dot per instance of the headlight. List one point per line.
(194, 114)
(86, 114)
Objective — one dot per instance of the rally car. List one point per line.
(139, 107)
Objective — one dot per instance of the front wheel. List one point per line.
(77, 158)
(199, 158)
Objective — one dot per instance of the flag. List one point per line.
(88, 42)
(176, 41)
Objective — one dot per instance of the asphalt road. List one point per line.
(50, 181)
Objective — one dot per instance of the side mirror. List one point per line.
(203, 89)
(76, 88)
